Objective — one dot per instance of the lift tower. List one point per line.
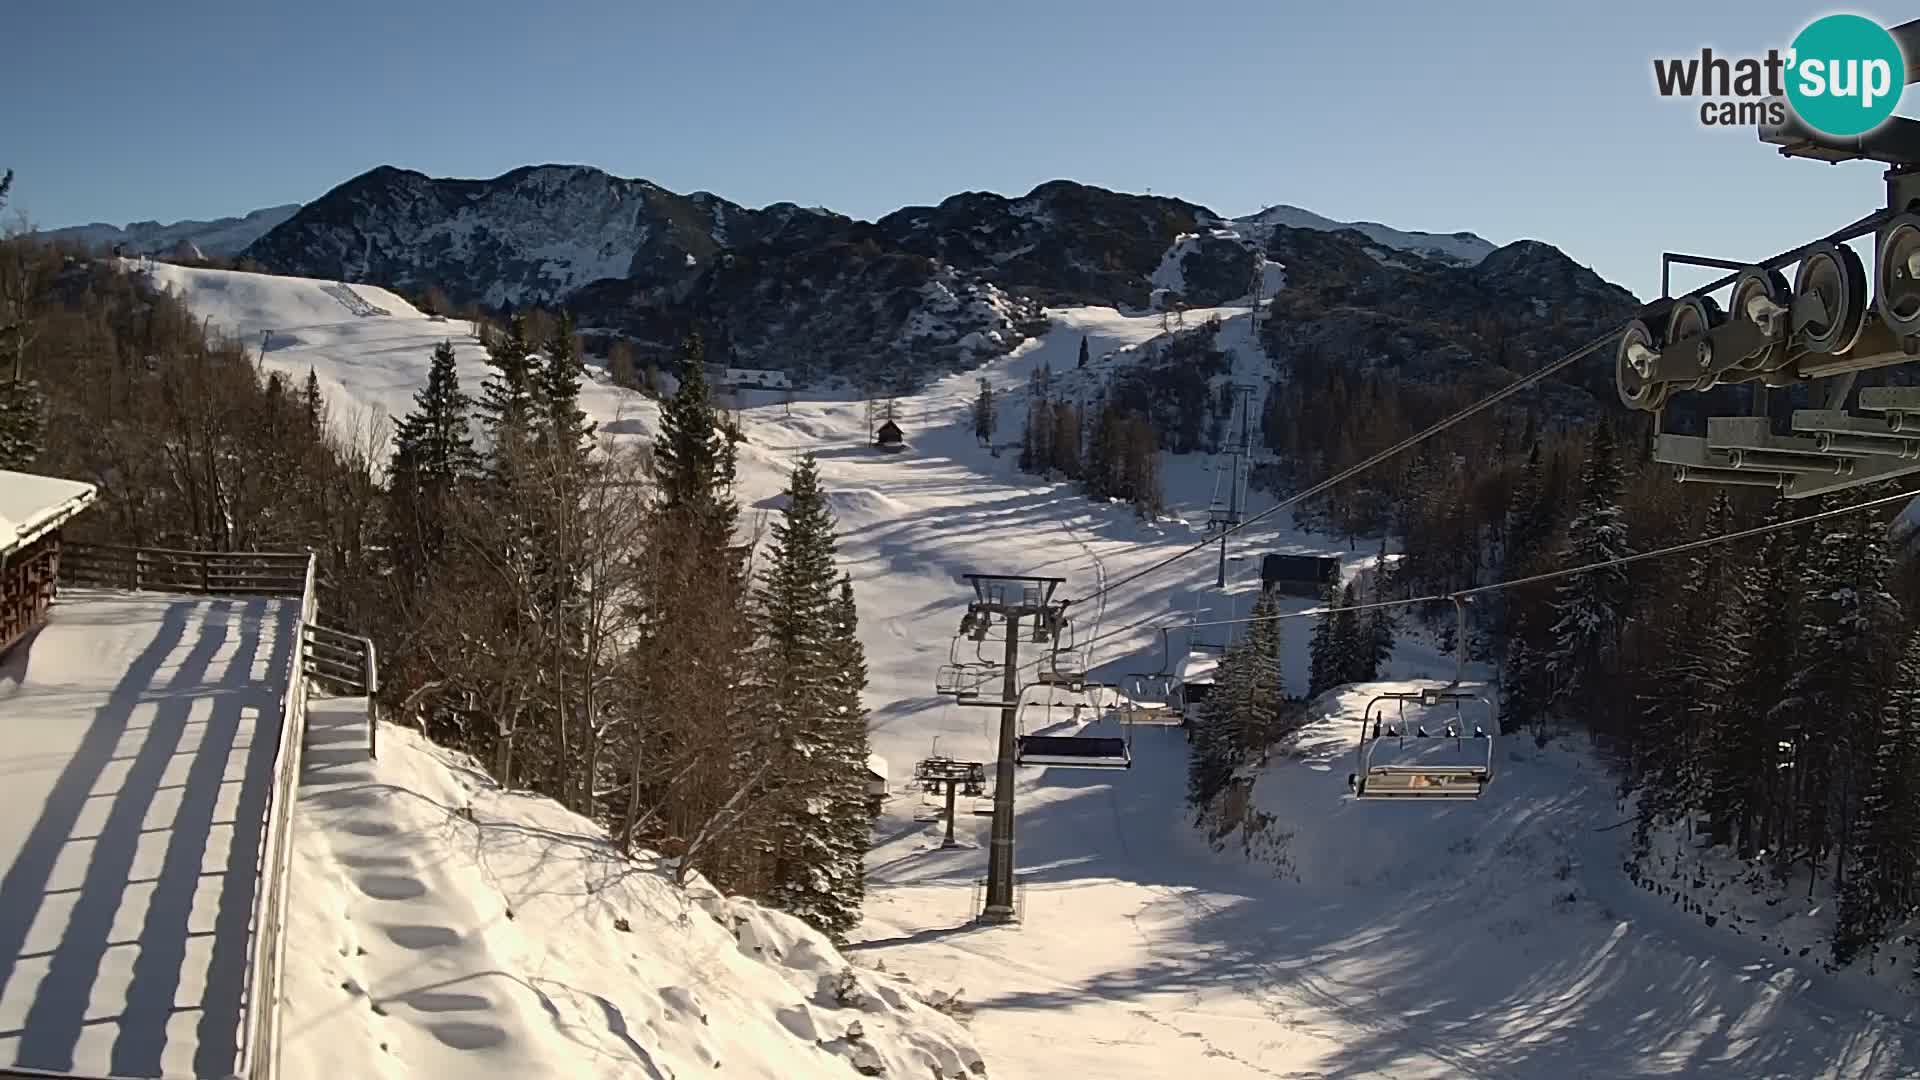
(1008, 598)
(1226, 517)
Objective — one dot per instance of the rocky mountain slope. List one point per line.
(925, 289)
(220, 238)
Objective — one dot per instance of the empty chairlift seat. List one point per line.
(1423, 757)
(1073, 752)
(1423, 782)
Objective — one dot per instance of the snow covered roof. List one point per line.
(877, 765)
(1198, 667)
(31, 506)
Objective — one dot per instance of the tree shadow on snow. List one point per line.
(1484, 962)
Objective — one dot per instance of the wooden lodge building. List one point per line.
(33, 510)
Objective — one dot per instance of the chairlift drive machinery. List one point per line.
(1833, 317)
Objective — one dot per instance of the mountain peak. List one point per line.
(1458, 249)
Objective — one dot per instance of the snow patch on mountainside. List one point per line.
(976, 315)
(1461, 248)
(367, 347)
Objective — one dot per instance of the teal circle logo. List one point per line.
(1846, 75)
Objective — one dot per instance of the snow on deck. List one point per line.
(137, 737)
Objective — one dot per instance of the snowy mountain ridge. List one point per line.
(219, 238)
(808, 291)
(1459, 249)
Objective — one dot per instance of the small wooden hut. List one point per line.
(33, 510)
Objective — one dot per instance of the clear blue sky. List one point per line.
(1511, 118)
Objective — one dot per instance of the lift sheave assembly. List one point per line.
(1833, 319)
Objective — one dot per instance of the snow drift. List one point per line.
(443, 927)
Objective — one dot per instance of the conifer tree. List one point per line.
(1748, 791)
(1065, 441)
(704, 754)
(509, 403)
(1220, 728)
(1378, 624)
(848, 827)
(23, 405)
(1832, 704)
(1352, 645)
(1590, 608)
(433, 457)
(316, 405)
(984, 411)
(1083, 352)
(693, 459)
(23, 421)
(1323, 657)
(1884, 851)
(1266, 691)
(1142, 471)
(1527, 693)
(564, 425)
(1526, 527)
(1243, 714)
(818, 789)
(1688, 685)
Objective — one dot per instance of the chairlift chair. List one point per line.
(1070, 751)
(984, 687)
(1064, 666)
(1422, 779)
(1073, 752)
(1149, 700)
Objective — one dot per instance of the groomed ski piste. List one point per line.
(1489, 938)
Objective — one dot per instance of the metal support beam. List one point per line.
(999, 907)
(1459, 641)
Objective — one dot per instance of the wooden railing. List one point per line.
(260, 1058)
(346, 664)
(167, 570)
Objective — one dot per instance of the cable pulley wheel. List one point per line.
(1632, 369)
(1896, 275)
(1692, 318)
(1834, 273)
(1762, 296)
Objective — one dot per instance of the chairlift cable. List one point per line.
(1415, 439)
(1549, 575)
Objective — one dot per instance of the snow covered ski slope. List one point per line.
(1496, 938)
(137, 741)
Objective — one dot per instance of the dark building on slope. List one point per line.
(1299, 575)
